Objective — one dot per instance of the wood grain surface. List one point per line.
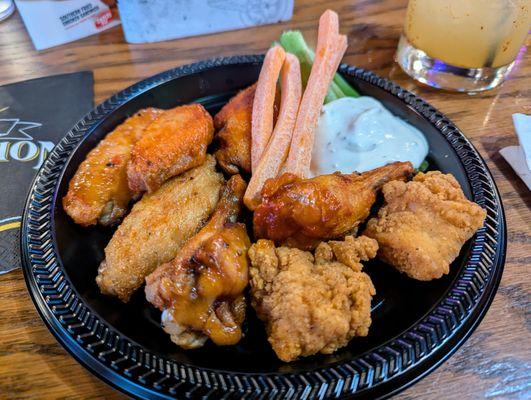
(494, 363)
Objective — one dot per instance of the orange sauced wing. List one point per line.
(303, 212)
(98, 192)
(176, 142)
(233, 125)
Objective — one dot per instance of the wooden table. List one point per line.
(494, 362)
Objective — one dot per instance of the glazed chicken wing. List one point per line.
(312, 304)
(176, 142)
(301, 213)
(98, 192)
(233, 125)
(157, 227)
(201, 290)
(424, 224)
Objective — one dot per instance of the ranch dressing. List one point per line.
(360, 134)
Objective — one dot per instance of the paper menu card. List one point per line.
(51, 22)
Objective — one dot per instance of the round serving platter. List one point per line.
(416, 325)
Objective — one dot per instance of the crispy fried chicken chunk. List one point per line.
(312, 304)
(424, 224)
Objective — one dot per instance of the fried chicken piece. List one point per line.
(302, 212)
(312, 304)
(424, 224)
(233, 126)
(98, 192)
(157, 227)
(174, 143)
(201, 290)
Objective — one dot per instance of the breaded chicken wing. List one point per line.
(233, 126)
(98, 192)
(302, 212)
(201, 290)
(157, 227)
(174, 143)
(312, 304)
(424, 224)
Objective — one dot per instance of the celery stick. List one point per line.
(343, 85)
(331, 96)
(293, 42)
(423, 167)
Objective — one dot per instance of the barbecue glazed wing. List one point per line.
(424, 224)
(302, 212)
(233, 125)
(98, 192)
(176, 142)
(201, 290)
(312, 304)
(157, 227)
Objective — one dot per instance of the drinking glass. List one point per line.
(462, 45)
(7, 7)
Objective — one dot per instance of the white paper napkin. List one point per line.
(519, 157)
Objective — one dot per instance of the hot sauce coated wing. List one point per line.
(233, 125)
(302, 212)
(157, 227)
(98, 192)
(312, 303)
(201, 290)
(424, 224)
(176, 142)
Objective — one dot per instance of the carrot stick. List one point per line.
(278, 147)
(330, 49)
(264, 99)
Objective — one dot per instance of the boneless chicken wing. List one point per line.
(312, 303)
(201, 290)
(302, 212)
(98, 192)
(157, 227)
(424, 224)
(174, 143)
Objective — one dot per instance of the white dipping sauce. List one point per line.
(360, 134)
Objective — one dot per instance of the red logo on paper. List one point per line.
(103, 18)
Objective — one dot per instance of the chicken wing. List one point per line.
(309, 303)
(301, 213)
(176, 142)
(424, 224)
(233, 125)
(201, 290)
(157, 227)
(98, 192)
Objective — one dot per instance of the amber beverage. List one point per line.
(463, 45)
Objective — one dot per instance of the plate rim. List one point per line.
(37, 209)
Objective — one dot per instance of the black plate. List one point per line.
(416, 325)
